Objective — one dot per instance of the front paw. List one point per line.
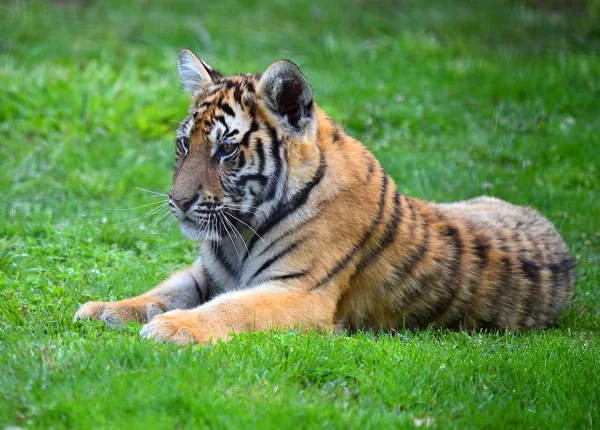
(116, 314)
(180, 327)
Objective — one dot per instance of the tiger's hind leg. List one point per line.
(182, 290)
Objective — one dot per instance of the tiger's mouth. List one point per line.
(204, 215)
(200, 229)
(213, 222)
(208, 223)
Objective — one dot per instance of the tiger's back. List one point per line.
(481, 263)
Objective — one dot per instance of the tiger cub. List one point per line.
(300, 225)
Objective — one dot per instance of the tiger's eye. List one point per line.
(227, 149)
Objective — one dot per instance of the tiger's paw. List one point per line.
(116, 314)
(180, 327)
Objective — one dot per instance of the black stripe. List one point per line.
(214, 74)
(229, 186)
(341, 265)
(455, 266)
(413, 218)
(371, 165)
(246, 138)
(288, 233)
(410, 297)
(241, 181)
(226, 108)
(200, 292)
(276, 257)
(519, 233)
(241, 160)
(502, 300)
(279, 239)
(454, 235)
(335, 134)
(207, 206)
(201, 211)
(222, 259)
(388, 237)
(560, 278)
(212, 91)
(293, 204)
(274, 149)
(212, 283)
(410, 262)
(237, 94)
(287, 276)
(482, 249)
(453, 282)
(231, 133)
(260, 153)
(221, 119)
(502, 241)
(532, 272)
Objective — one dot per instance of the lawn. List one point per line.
(457, 99)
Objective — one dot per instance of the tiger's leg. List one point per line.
(182, 290)
(254, 309)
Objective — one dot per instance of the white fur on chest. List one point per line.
(234, 250)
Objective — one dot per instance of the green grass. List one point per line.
(457, 99)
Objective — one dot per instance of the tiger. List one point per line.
(299, 225)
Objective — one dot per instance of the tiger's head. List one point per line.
(234, 153)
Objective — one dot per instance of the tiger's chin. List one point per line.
(195, 233)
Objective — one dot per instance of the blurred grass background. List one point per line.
(456, 98)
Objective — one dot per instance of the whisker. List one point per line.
(152, 192)
(204, 226)
(260, 217)
(160, 214)
(259, 236)
(159, 219)
(137, 207)
(212, 226)
(229, 234)
(236, 231)
(146, 215)
(156, 218)
(164, 225)
(200, 227)
(168, 220)
(207, 227)
(236, 206)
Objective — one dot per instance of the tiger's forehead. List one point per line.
(221, 107)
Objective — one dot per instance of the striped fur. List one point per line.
(300, 224)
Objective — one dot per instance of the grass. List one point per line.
(457, 99)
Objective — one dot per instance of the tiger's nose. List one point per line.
(184, 204)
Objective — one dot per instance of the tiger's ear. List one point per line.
(288, 94)
(194, 72)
